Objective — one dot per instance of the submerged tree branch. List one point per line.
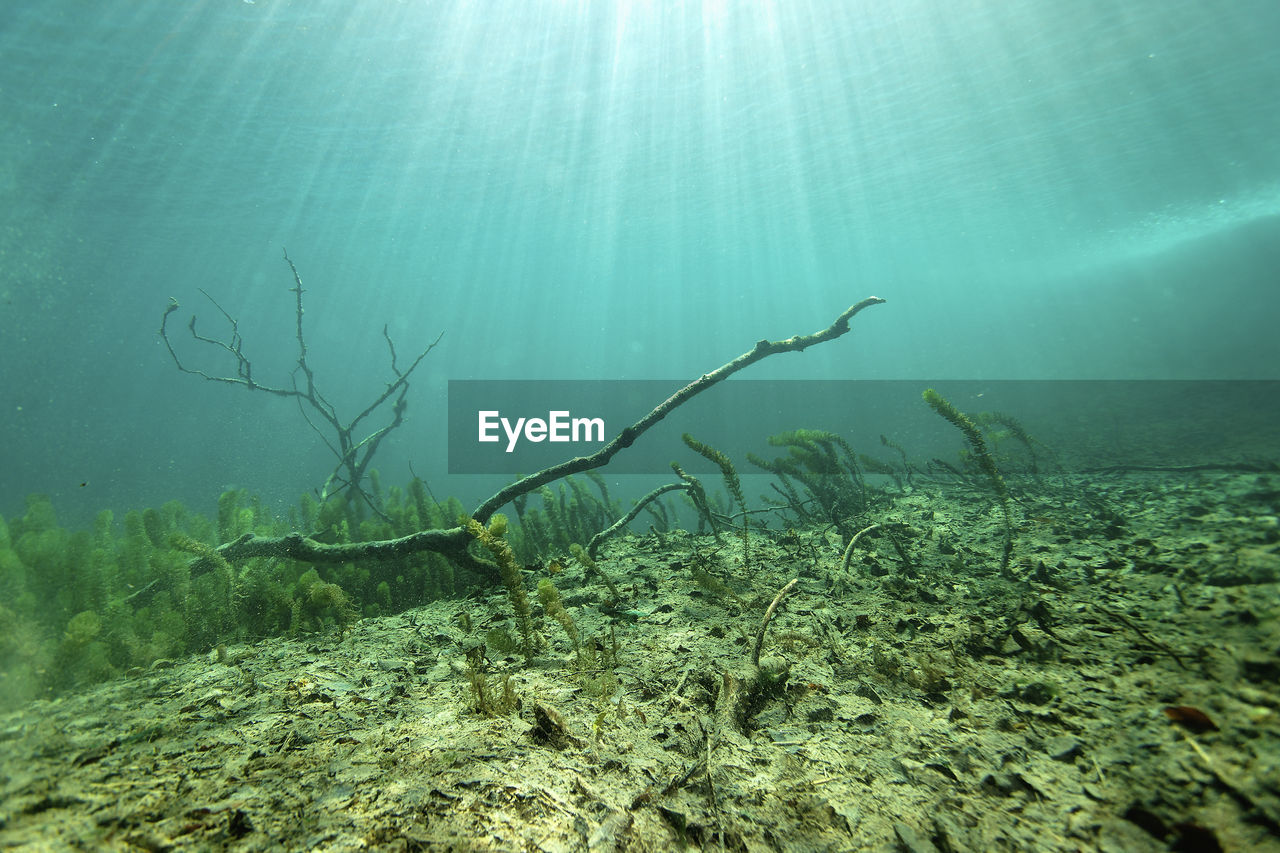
(628, 436)
(353, 455)
(453, 542)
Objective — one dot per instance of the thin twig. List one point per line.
(594, 545)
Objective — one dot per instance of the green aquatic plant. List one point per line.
(81, 606)
(824, 467)
(732, 482)
(491, 538)
(590, 567)
(696, 495)
(24, 658)
(879, 467)
(568, 514)
(987, 465)
(490, 700)
(1001, 427)
(81, 657)
(549, 597)
(315, 602)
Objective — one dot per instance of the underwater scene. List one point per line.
(790, 425)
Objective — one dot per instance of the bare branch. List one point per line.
(402, 379)
(628, 436)
(353, 456)
(452, 542)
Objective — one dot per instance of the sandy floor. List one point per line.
(1119, 692)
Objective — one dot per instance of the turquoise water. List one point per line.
(627, 189)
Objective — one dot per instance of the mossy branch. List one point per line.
(743, 690)
(768, 615)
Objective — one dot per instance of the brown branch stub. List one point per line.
(768, 615)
